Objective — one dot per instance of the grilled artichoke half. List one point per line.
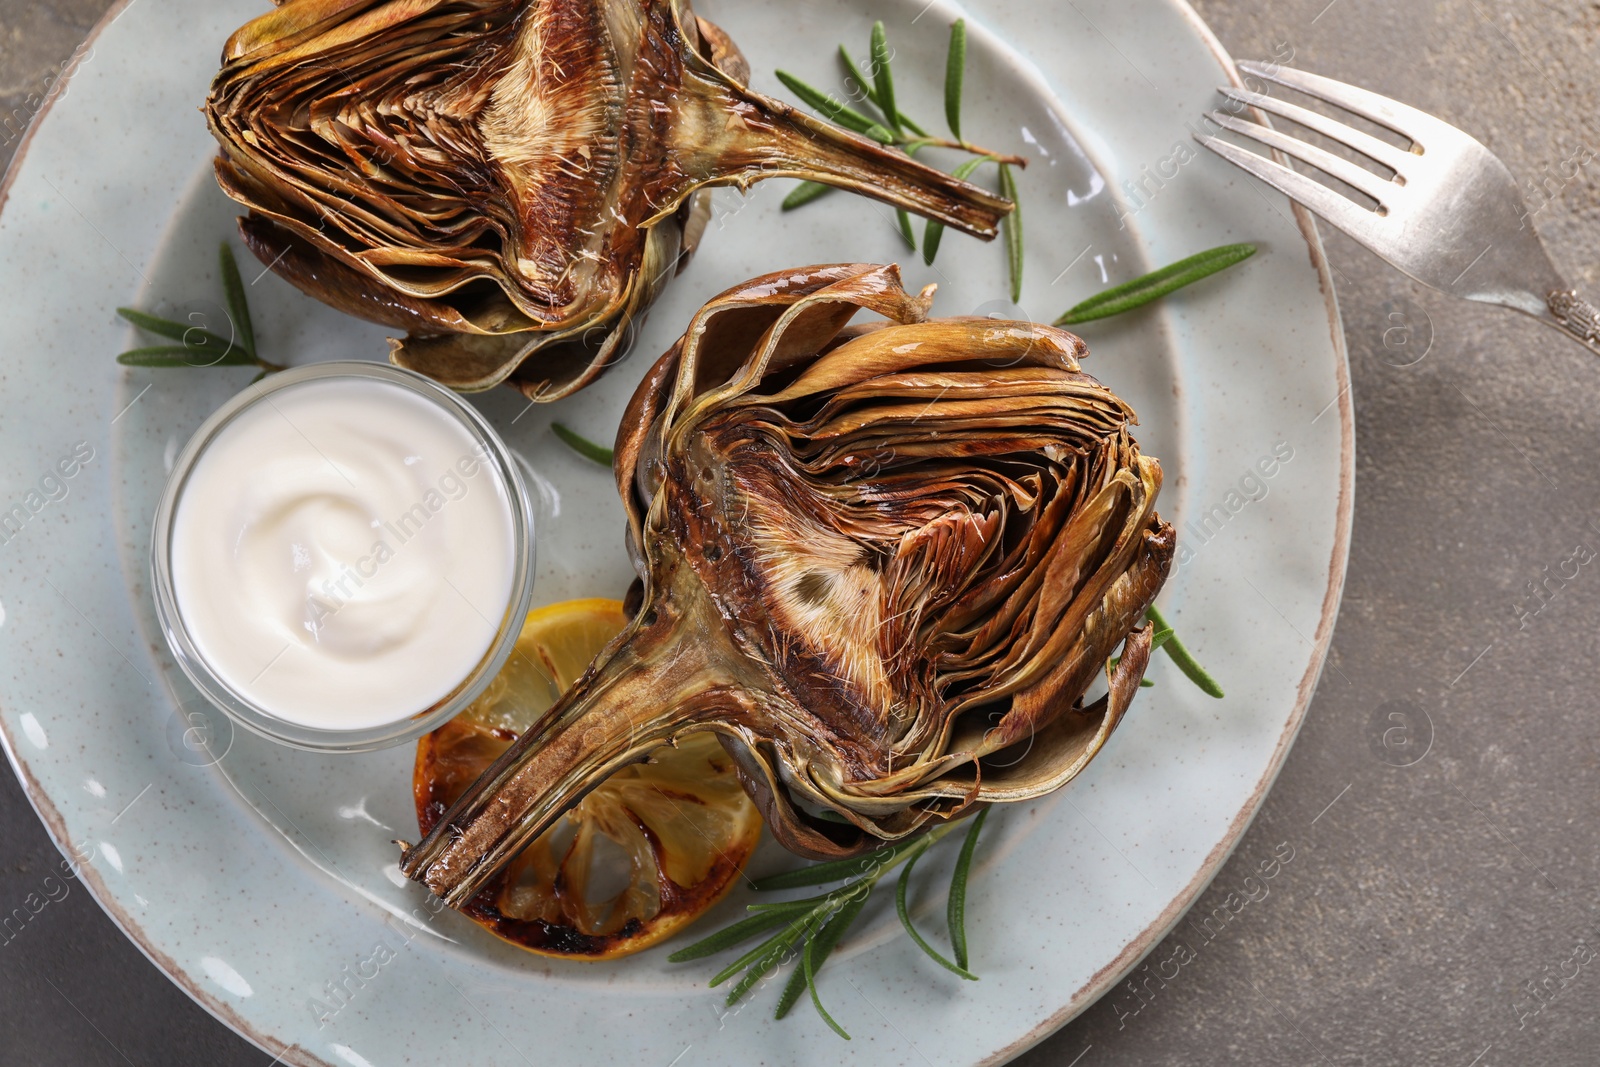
(513, 181)
(884, 563)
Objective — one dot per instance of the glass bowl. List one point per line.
(497, 460)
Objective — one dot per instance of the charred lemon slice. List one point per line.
(643, 855)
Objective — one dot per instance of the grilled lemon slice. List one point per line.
(643, 855)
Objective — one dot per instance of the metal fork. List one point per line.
(1452, 216)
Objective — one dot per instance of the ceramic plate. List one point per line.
(265, 883)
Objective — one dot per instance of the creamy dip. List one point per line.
(342, 555)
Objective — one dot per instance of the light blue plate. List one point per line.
(265, 883)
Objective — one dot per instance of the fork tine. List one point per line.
(1381, 151)
(1353, 219)
(1402, 119)
(1356, 177)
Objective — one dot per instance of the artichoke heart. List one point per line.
(512, 182)
(884, 562)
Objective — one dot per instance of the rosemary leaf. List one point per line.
(822, 944)
(831, 108)
(791, 906)
(933, 232)
(956, 909)
(809, 964)
(181, 356)
(759, 969)
(829, 936)
(817, 924)
(835, 870)
(1186, 662)
(804, 193)
(791, 992)
(194, 338)
(264, 372)
(955, 67)
(728, 936)
(904, 912)
(854, 71)
(882, 79)
(583, 446)
(238, 306)
(1012, 225)
(1157, 284)
(782, 938)
(905, 228)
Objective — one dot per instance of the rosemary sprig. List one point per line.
(812, 927)
(1165, 637)
(583, 446)
(896, 128)
(918, 137)
(1157, 284)
(1181, 655)
(198, 346)
(836, 110)
(820, 948)
(197, 342)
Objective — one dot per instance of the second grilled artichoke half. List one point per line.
(512, 182)
(885, 563)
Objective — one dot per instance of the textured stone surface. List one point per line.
(1419, 902)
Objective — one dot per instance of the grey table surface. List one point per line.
(1437, 913)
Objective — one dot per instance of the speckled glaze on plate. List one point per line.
(262, 879)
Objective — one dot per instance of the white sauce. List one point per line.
(342, 555)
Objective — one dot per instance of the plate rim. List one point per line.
(1102, 981)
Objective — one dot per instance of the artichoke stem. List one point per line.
(774, 140)
(636, 699)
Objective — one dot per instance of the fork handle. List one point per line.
(1574, 316)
